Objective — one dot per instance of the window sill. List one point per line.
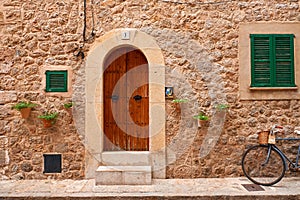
(273, 88)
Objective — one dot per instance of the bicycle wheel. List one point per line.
(261, 171)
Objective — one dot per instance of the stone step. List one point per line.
(123, 175)
(126, 158)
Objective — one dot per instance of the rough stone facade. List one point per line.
(34, 35)
(199, 41)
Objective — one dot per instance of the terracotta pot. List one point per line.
(25, 112)
(203, 123)
(47, 123)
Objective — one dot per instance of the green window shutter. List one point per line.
(284, 60)
(261, 61)
(272, 60)
(57, 81)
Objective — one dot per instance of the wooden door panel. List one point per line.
(126, 120)
(114, 102)
(138, 86)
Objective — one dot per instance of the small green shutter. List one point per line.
(284, 60)
(261, 61)
(272, 60)
(57, 81)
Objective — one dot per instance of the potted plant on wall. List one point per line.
(68, 105)
(24, 108)
(221, 110)
(222, 107)
(203, 119)
(48, 119)
(178, 102)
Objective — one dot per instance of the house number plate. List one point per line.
(125, 35)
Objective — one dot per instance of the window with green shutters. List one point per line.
(57, 81)
(272, 60)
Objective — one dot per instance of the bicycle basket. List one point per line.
(263, 137)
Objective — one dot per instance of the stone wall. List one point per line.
(199, 40)
(35, 35)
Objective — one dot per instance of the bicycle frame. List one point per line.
(268, 156)
(275, 148)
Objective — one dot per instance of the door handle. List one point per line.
(114, 98)
(137, 97)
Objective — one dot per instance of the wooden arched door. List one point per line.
(126, 101)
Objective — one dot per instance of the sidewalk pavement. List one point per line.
(208, 189)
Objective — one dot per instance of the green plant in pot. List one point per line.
(222, 107)
(201, 116)
(203, 119)
(24, 108)
(48, 118)
(68, 105)
(180, 101)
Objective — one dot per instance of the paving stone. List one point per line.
(169, 189)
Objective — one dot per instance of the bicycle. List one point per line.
(265, 164)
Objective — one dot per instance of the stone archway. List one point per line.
(95, 156)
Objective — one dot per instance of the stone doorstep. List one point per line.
(123, 175)
(126, 158)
